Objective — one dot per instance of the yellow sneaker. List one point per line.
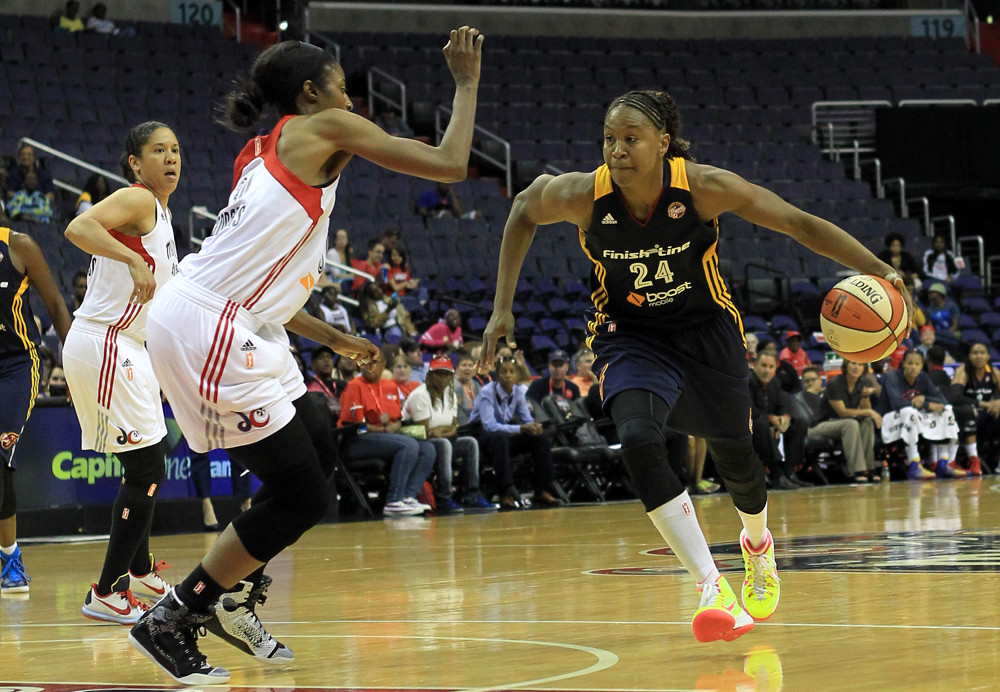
(761, 586)
(719, 615)
(763, 665)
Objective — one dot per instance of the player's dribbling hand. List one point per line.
(896, 280)
(464, 53)
(501, 324)
(143, 283)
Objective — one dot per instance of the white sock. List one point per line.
(678, 524)
(912, 453)
(951, 450)
(936, 451)
(8, 549)
(972, 449)
(755, 526)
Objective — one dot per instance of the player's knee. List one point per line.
(639, 434)
(743, 472)
(144, 468)
(311, 506)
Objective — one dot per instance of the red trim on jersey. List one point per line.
(652, 209)
(109, 362)
(212, 361)
(134, 242)
(225, 355)
(272, 276)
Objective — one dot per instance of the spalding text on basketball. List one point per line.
(873, 293)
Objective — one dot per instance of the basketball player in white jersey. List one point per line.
(217, 332)
(115, 393)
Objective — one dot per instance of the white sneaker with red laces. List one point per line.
(151, 583)
(118, 606)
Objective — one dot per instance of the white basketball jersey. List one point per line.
(109, 284)
(268, 247)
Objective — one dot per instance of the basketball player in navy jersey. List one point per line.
(21, 265)
(669, 341)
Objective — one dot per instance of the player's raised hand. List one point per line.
(143, 283)
(501, 324)
(464, 53)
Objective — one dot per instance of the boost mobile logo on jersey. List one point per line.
(636, 299)
(653, 299)
(257, 418)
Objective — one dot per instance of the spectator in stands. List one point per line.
(752, 344)
(385, 317)
(508, 429)
(524, 374)
(30, 203)
(939, 262)
(401, 370)
(347, 369)
(556, 382)
(340, 253)
(434, 405)
(584, 378)
(56, 386)
(415, 356)
(99, 23)
(439, 202)
(322, 380)
(794, 353)
(70, 20)
(978, 388)
(79, 289)
(467, 386)
(446, 335)
(370, 265)
(390, 121)
(398, 279)
(919, 318)
(928, 335)
(4, 219)
(912, 407)
(94, 191)
(26, 162)
(333, 310)
(899, 259)
(374, 402)
(847, 415)
(772, 421)
(942, 311)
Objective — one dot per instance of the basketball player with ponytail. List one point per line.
(668, 339)
(115, 393)
(217, 334)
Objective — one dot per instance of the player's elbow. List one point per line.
(454, 173)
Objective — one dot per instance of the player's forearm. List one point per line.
(831, 241)
(517, 237)
(457, 139)
(94, 239)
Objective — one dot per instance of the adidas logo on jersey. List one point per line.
(127, 363)
(608, 219)
(248, 346)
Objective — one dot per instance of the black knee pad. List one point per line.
(743, 472)
(144, 468)
(8, 500)
(316, 419)
(644, 452)
(271, 526)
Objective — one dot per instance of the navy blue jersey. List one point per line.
(981, 390)
(18, 332)
(661, 272)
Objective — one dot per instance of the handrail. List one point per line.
(505, 165)
(200, 211)
(903, 211)
(991, 102)
(936, 102)
(989, 270)
(239, 20)
(73, 160)
(66, 186)
(373, 95)
(926, 204)
(970, 13)
(554, 170)
(877, 164)
(326, 40)
(979, 248)
(351, 270)
(950, 221)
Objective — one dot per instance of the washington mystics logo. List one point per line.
(257, 418)
(131, 437)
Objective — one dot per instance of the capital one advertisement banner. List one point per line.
(53, 470)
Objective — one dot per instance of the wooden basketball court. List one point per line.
(884, 588)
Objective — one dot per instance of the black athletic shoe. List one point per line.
(167, 634)
(236, 622)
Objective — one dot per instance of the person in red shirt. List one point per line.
(446, 335)
(398, 279)
(371, 264)
(374, 403)
(794, 353)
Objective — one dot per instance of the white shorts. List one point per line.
(230, 379)
(114, 390)
(909, 425)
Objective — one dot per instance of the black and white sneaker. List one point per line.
(236, 622)
(167, 634)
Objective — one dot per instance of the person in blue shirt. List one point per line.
(942, 311)
(508, 428)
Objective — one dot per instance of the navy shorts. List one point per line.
(19, 384)
(701, 372)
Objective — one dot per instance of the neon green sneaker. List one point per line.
(719, 615)
(761, 586)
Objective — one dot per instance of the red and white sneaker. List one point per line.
(151, 583)
(118, 606)
(975, 467)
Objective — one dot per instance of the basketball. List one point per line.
(864, 318)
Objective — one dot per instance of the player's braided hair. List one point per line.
(661, 110)
(134, 142)
(275, 79)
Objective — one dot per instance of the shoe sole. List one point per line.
(15, 589)
(102, 617)
(713, 625)
(193, 679)
(216, 628)
(755, 618)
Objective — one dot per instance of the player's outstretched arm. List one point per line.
(356, 348)
(27, 252)
(448, 162)
(716, 191)
(568, 197)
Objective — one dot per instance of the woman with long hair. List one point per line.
(978, 387)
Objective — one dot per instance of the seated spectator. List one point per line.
(26, 162)
(475, 351)
(390, 242)
(390, 121)
(56, 386)
(912, 407)
(752, 344)
(772, 421)
(99, 23)
(340, 253)
(446, 335)
(415, 357)
(899, 259)
(584, 377)
(508, 429)
(467, 386)
(347, 369)
(556, 382)
(322, 380)
(79, 289)
(4, 219)
(401, 370)
(94, 191)
(70, 20)
(978, 388)
(334, 312)
(371, 265)
(439, 202)
(942, 311)
(794, 353)
(928, 335)
(384, 317)
(846, 414)
(919, 318)
(435, 406)
(524, 374)
(374, 402)
(939, 263)
(30, 203)
(398, 279)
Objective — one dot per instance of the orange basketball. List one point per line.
(864, 318)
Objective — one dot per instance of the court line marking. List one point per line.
(270, 688)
